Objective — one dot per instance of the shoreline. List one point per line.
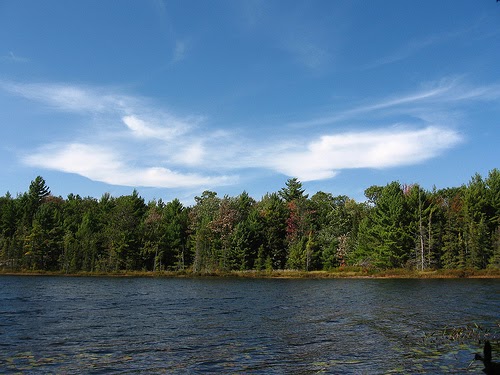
(279, 274)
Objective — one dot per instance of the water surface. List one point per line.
(222, 325)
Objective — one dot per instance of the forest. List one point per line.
(398, 226)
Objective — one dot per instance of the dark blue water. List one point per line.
(188, 326)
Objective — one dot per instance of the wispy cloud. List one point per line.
(180, 50)
(132, 133)
(292, 31)
(170, 127)
(12, 57)
(132, 110)
(444, 92)
(71, 98)
(307, 52)
(252, 12)
(383, 148)
(141, 144)
(413, 47)
(194, 154)
(99, 163)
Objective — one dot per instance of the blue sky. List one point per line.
(177, 97)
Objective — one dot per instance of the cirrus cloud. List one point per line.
(140, 144)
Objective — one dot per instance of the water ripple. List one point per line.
(191, 326)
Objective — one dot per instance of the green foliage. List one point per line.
(386, 236)
(297, 256)
(38, 190)
(247, 241)
(399, 226)
(373, 193)
(202, 237)
(493, 197)
(274, 215)
(292, 191)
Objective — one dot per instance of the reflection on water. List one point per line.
(133, 325)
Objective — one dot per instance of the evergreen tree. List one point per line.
(398, 226)
(123, 231)
(453, 249)
(386, 236)
(202, 236)
(274, 215)
(45, 239)
(477, 233)
(151, 253)
(37, 191)
(174, 242)
(292, 191)
(493, 217)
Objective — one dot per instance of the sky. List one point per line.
(173, 98)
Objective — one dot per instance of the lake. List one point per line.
(71, 325)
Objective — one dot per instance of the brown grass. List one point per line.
(345, 272)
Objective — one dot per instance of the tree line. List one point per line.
(398, 226)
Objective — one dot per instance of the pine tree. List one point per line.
(293, 190)
(385, 235)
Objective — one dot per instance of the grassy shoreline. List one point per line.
(351, 273)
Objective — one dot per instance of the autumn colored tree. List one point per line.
(398, 226)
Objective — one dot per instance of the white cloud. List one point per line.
(139, 144)
(152, 137)
(323, 158)
(142, 129)
(99, 163)
(192, 155)
(91, 161)
(71, 98)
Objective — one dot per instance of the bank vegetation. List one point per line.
(401, 230)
